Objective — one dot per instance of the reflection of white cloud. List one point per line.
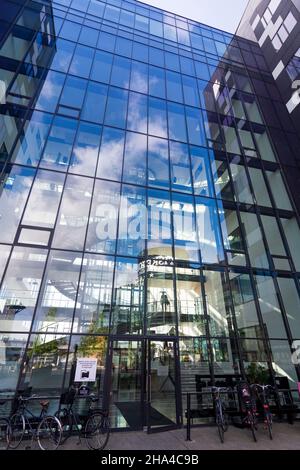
(138, 82)
(137, 113)
(85, 162)
(110, 159)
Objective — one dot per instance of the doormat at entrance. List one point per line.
(132, 412)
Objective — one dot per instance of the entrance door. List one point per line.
(142, 384)
(163, 395)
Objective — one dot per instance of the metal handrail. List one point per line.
(231, 391)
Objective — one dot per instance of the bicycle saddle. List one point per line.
(44, 403)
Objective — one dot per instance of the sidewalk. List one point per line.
(286, 437)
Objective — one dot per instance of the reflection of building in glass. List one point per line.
(148, 216)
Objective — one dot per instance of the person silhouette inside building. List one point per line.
(164, 300)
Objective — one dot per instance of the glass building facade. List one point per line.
(145, 216)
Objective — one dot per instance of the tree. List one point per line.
(257, 373)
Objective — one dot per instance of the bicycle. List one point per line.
(249, 408)
(44, 428)
(220, 415)
(4, 423)
(95, 428)
(262, 391)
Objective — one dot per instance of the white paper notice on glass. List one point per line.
(86, 369)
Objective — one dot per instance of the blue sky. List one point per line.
(223, 14)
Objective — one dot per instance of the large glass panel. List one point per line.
(111, 154)
(217, 301)
(44, 199)
(280, 195)
(221, 178)
(135, 158)
(12, 349)
(50, 92)
(225, 359)
(201, 172)
(63, 55)
(126, 384)
(174, 86)
(94, 347)
(45, 365)
(94, 105)
(157, 82)
(20, 288)
(72, 95)
(254, 353)
(162, 385)
(120, 72)
(176, 118)
(102, 67)
(139, 77)
(241, 184)
(190, 91)
(158, 163)
(94, 295)
(73, 214)
(116, 107)
(232, 236)
(273, 236)
(282, 364)
(88, 36)
(180, 167)
(185, 232)
(137, 112)
(103, 219)
(195, 368)
(128, 298)
(209, 231)
(161, 315)
(4, 254)
(264, 144)
(189, 301)
(292, 234)
(157, 124)
(70, 31)
(82, 61)
(270, 309)
(85, 151)
(57, 299)
(291, 301)
(244, 305)
(196, 133)
(254, 240)
(13, 195)
(132, 221)
(59, 145)
(259, 187)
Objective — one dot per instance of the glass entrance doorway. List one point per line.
(163, 400)
(144, 384)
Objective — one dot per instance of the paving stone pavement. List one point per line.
(286, 437)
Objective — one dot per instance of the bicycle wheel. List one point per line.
(3, 433)
(49, 433)
(251, 422)
(66, 421)
(16, 430)
(225, 421)
(219, 421)
(97, 430)
(269, 423)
